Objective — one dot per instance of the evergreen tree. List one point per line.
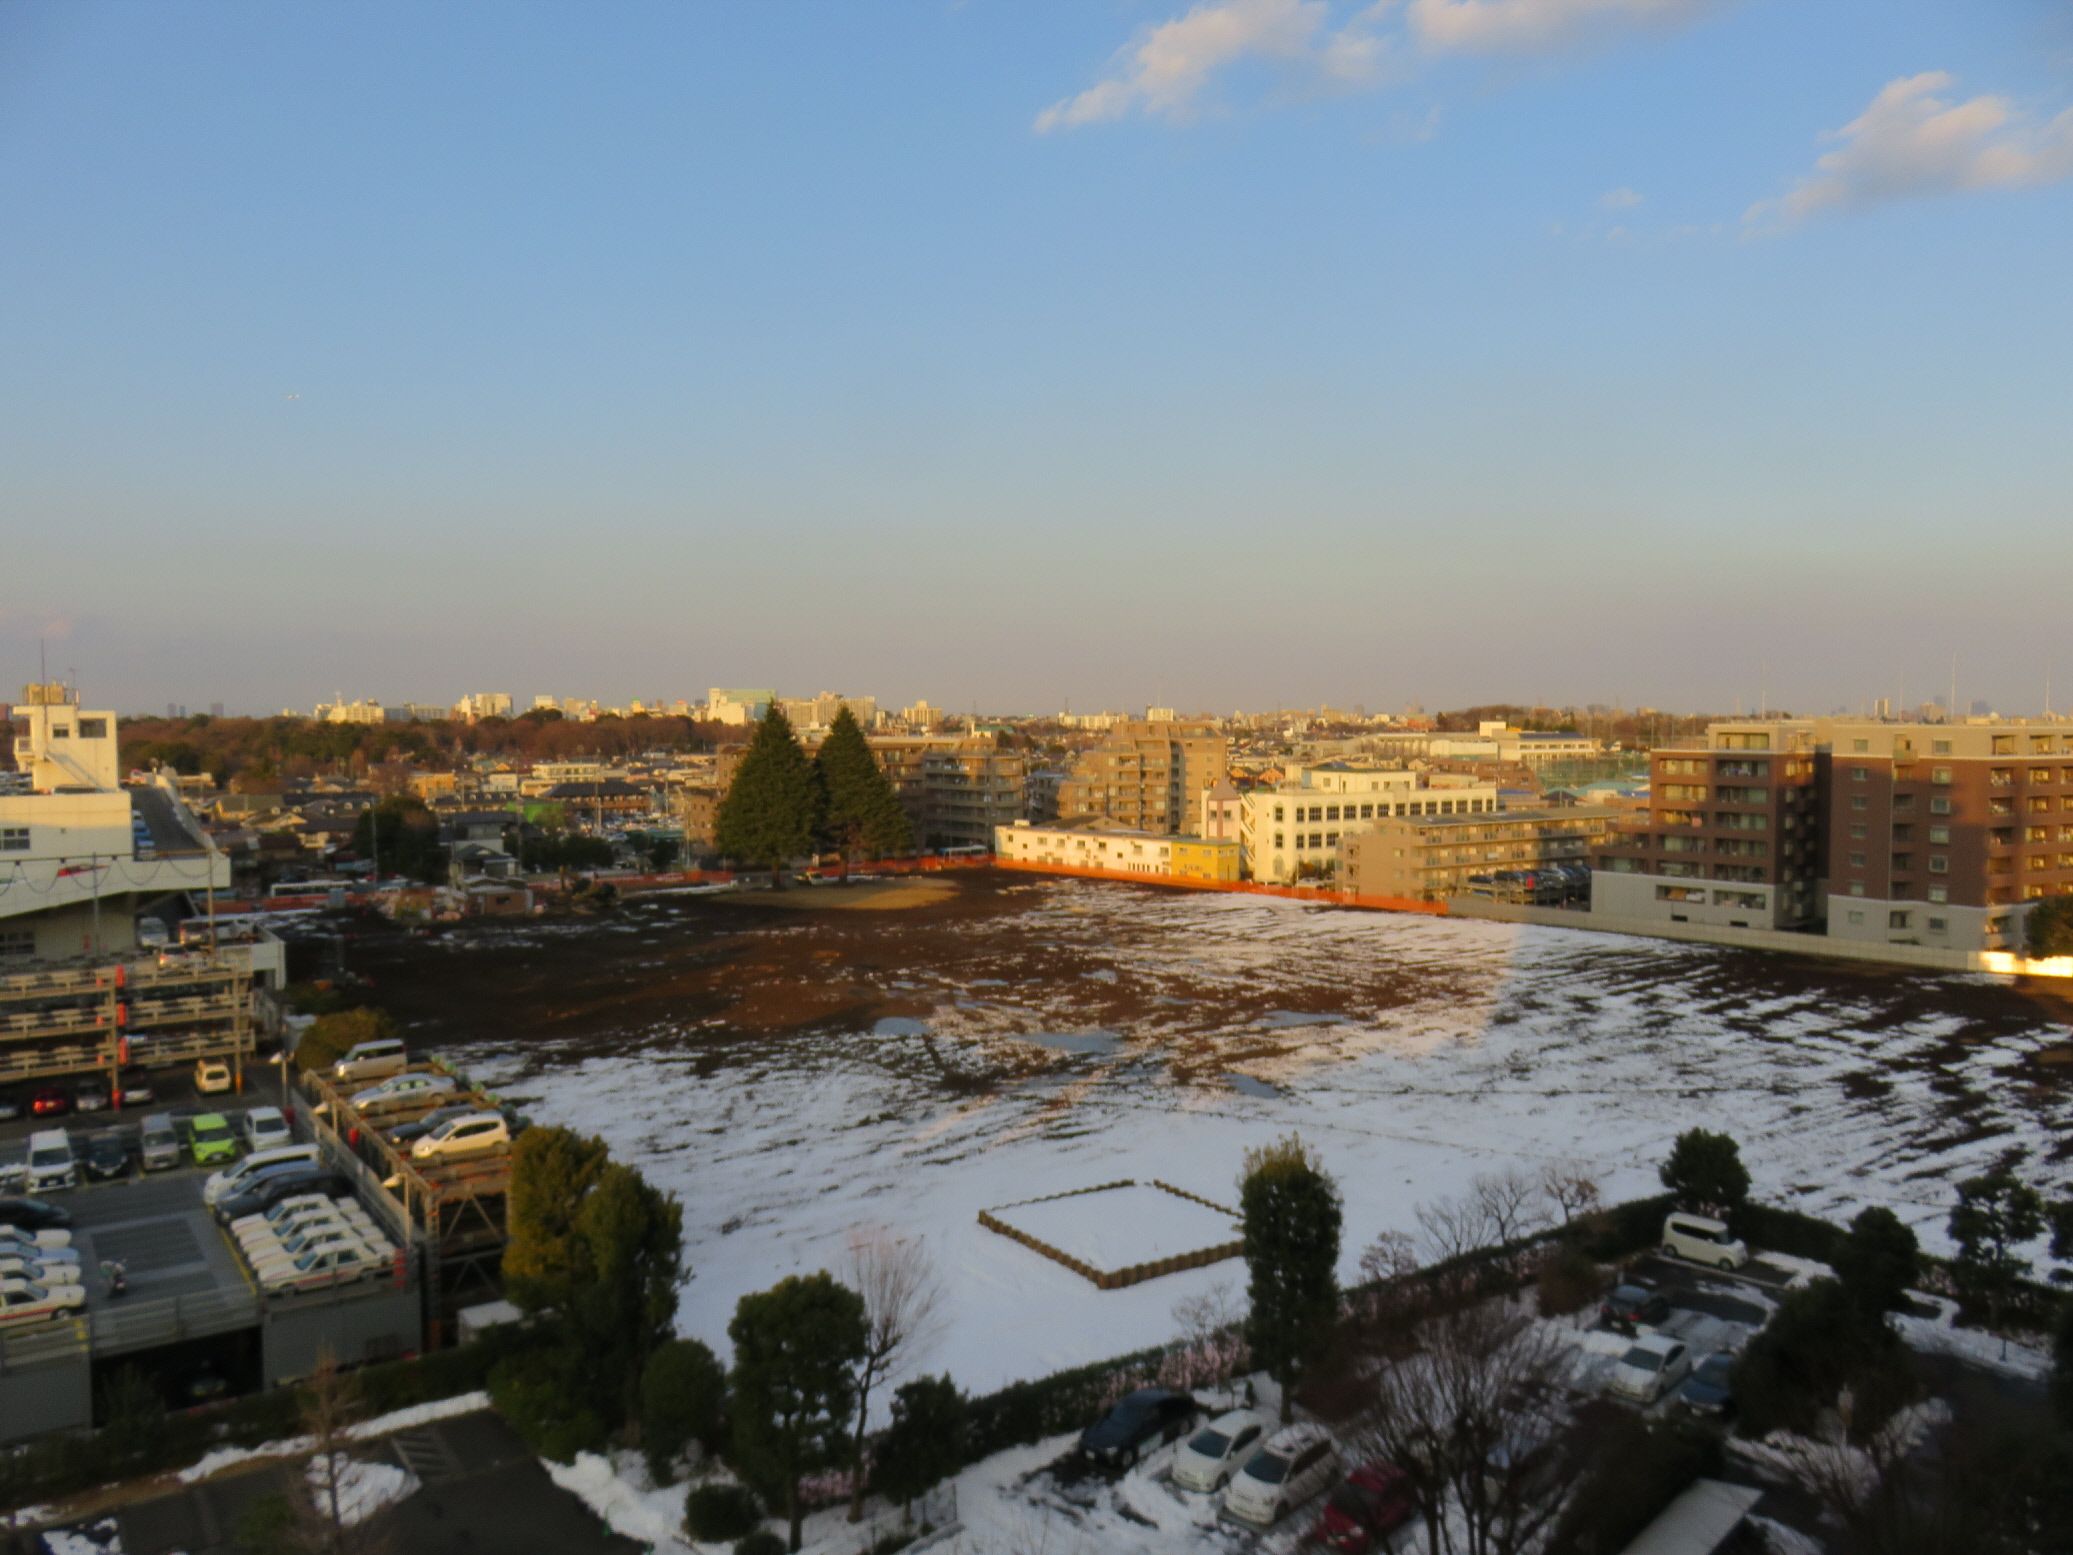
(924, 1445)
(794, 1349)
(864, 816)
(1993, 1217)
(1877, 1261)
(633, 1238)
(772, 813)
(1290, 1207)
(552, 1172)
(683, 1397)
(1706, 1173)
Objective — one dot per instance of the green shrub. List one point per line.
(1820, 1342)
(540, 1393)
(713, 1514)
(761, 1542)
(1635, 1470)
(683, 1395)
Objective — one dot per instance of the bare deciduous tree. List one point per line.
(1569, 1186)
(323, 1526)
(1453, 1228)
(1508, 1202)
(1466, 1415)
(902, 1294)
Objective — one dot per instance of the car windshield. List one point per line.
(1641, 1359)
(49, 1155)
(217, 1129)
(1716, 1369)
(1211, 1444)
(1268, 1468)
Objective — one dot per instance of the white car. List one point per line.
(1297, 1462)
(265, 1128)
(22, 1303)
(295, 1249)
(36, 1244)
(283, 1212)
(323, 1266)
(1208, 1459)
(211, 1076)
(476, 1132)
(234, 1178)
(1703, 1240)
(15, 1267)
(402, 1090)
(293, 1230)
(1652, 1366)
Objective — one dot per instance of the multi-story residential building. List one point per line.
(1945, 834)
(1103, 845)
(483, 704)
(1040, 787)
(697, 811)
(818, 712)
(1432, 857)
(1732, 836)
(1146, 776)
(79, 854)
(957, 789)
(737, 705)
(362, 711)
(1292, 830)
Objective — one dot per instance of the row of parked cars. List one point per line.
(39, 1267)
(58, 1159)
(454, 1128)
(212, 1077)
(306, 1241)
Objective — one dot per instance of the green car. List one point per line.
(210, 1138)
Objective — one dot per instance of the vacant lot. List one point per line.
(792, 1075)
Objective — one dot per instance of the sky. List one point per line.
(1085, 353)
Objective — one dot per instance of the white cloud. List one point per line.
(1911, 142)
(1165, 70)
(1621, 199)
(1504, 26)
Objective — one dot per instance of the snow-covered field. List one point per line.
(1116, 1227)
(1414, 1053)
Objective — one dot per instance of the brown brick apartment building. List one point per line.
(1145, 775)
(1732, 836)
(1943, 834)
(1432, 857)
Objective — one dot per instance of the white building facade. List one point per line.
(1292, 830)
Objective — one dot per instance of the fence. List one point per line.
(1316, 895)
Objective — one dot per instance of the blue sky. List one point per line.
(1260, 351)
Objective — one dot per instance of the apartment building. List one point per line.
(818, 712)
(1293, 829)
(957, 789)
(1732, 836)
(1432, 857)
(1097, 845)
(1144, 775)
(1945, 834)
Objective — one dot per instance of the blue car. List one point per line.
(1709, 1390)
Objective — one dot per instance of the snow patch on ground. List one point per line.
(1116, 1227)
(363, 1488)
(1975, 1347)
(101, 1538)
(221, 1458)
(626, 1502)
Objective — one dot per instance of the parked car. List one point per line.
(211, 1139)
(1652, 1366)
(1296, 1463)
(35, 1215)
(1362, 1513)
(374, 1060)
(90, 1096)
(329, 1233)
(465, 1136)
(1629, 1306)
(1703, 1240)
(290, 1182)
(234, 1179)
(402, 1091)
(106, 1156)
(212, 1076)
(1709, 1390)
(49, 1102)
(37, 1271)
(1145, 1418)
(134, 1091)
(320, 1267)
(411, 1132)
(51, 1162)
(43, 1246)
(293, 1217)
(10, 1106)
(22, 1302)
(265, 1128)
(158, 1142)
(1208, 1459)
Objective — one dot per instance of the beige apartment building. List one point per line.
(957, 789)
(1945, 834)
(1294, 829)
(1732, 836)
(1144, 775)
(1432, 857)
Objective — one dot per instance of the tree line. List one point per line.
(784, 805)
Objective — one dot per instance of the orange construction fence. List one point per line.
(1318, 895)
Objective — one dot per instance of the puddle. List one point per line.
(1281, 1020)
(899, 1026)
(1096, 1041)
(1246, 1085)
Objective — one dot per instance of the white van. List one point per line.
(375, 1060)
(228, 1181)
(51, 1164)
(1701, 1240)
(265, 1129)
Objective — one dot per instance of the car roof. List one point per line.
(1235, 1420)
(1294, 1438)
(1657, 1344)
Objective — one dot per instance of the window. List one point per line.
(17, 944)
(1939, 834)
(1939, 807)
(1859, 775)
(1939, 893)
(1859, 802)
(1938, 925)
(1857, 888)
(1896, 920)
(1277, 819)
(1860, 746)
(14, 839)
(1939, 747)
(1857, 831)
(1331, 813)
(1939, 865)
(1856, 915)
(1857, 861)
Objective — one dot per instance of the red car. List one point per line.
(1374, 1502)
(49, 1103)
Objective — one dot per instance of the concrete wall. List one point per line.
(52, 1396)
(376, 1324)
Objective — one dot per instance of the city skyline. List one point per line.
(1249, 353)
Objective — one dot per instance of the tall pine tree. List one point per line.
(772, 814)
(1290, 1207)
(864, 818)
